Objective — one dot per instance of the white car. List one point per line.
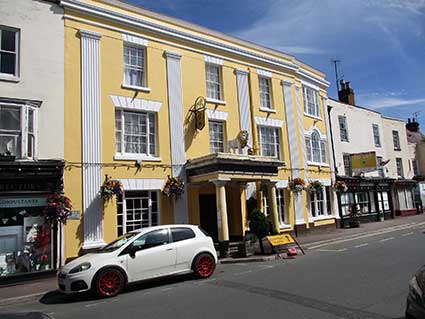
(144, 254)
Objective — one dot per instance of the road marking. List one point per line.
(361, 245)
(243, 272)
(407, 234)
(333, 250)
(94, 304)
(386, 239)
(166, 289)
(387, 230)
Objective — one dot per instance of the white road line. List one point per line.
(243, 273)
(361, 245)
(166, 289)
(94, 304)
(386, 239)
(407, 234)
(333, 250)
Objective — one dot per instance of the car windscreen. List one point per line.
(119, 242)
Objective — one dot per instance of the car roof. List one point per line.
(146, 229)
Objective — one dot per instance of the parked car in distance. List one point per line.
(416, 298)
(139, 255)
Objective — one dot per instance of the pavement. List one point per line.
(379, 261)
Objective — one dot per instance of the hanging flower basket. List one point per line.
(340, 187)
(110, 187)
(173, 187)
(315, 186)
(58, 209)
(297, 185)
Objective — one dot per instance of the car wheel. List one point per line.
(204, 265)
(109, 283)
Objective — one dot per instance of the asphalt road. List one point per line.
(365, 277)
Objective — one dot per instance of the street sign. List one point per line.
(279, 240)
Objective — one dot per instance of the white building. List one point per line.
(382, 188)
(31, 132)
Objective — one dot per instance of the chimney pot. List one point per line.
(346, 93)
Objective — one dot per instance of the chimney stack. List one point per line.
(346, 93)
(412, 125)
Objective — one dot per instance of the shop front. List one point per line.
(28, 245)
(369, 199)
(405, 201)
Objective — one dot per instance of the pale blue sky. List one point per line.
(381, 43)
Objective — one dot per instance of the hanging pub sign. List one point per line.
(363, 162)
(198, 110)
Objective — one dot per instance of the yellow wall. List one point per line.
(193, 85)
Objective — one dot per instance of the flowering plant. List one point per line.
(297, 185)
(315, 186)
(340, 186)
(110, 187)
(43, 259)
(42, 237)
(58, 208)
(173, 187)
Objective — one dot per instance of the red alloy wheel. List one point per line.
(205, 266)
(110, 283)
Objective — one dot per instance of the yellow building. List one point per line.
(132, 82)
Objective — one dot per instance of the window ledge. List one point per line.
(397, 149)
(9, 78)
(268, 110)
(313, 116)
(136, 157)
(214, 101)
(317, 164)
(284, 226)
(325, 217)
(137, 88)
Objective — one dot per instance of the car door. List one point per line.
(186, 244)
(155, 255)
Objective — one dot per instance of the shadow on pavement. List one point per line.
(26, 315)
(56, 297)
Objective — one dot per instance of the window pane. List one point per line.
(216, 136)
(213, 81)
(8, 40)
(7, 63)
(315, 147)
(10, 118)
(153, 239)
(179, 234)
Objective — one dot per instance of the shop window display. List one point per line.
(25, 241)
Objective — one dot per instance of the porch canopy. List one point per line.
(222, 168)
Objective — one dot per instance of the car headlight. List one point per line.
(82, 267)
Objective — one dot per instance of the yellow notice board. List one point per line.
(278, 240)
(363, 161)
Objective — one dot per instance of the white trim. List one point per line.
(216, 115)
(321, 217)
(267, 110)
(133, 184)
(136, 157)
(213, 60)
(136, 88)
(264, 73)
(265, 121)
(214, 44)
(284, 226)
(129, 103)
(313, 116)
(90, 34)
(214, 101)
(173, 55)
(310, 163)
(310, 85)
(133, 39)
(311, 131)
(282, 184)
(286, 83)
(241, 72)
(9, 78)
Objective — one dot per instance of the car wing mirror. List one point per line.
(132, 251)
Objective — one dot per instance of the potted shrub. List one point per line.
(248, 246)
(259, 225)
(110, 187)
(174, 187)
(315, 186)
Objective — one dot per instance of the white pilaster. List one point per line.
(91, 130)
(175, 111)
(244, 104)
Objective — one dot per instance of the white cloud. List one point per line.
(389, 102)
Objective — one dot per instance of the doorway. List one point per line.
(208, 214)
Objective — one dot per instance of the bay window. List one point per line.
(269, 141)
(135, 133)
(17, 130)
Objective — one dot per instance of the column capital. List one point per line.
(287, 83)
(241, 72)
(89, 34)
(173, 55)
(219, 182)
